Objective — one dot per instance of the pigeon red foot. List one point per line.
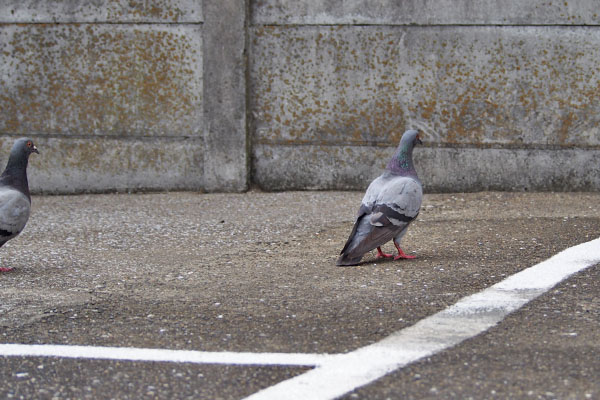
(381, 254)
(4, 269)
(401, 254)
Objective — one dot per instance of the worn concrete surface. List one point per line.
(256, 272)
(99, 11)
(111, 90)
(110, 106)
(529, 87)
(513, 95)
(121, 81)
(70, 165)
(442, 169)
(416, 12)
(547, 350)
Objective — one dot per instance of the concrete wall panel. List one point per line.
(74, 164)
(123, 80)
(517, 86)
(488, 90)
(425, 12)
(123, 11)
(441, 169)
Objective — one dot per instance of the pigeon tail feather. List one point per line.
(344, 261)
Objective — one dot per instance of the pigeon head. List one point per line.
(23, 147)
(19, 154)
(410, 139)
(15, 174)
(401, 162)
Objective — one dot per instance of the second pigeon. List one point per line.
(15, 200)
(391, 203)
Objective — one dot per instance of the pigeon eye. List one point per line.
(28, 144)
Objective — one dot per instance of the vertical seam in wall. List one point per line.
(248, 121)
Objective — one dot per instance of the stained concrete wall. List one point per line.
(114, 93)
(111, 91)
(217, 95)
(505, 93)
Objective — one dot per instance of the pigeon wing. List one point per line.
(14, 213)
(404, 196)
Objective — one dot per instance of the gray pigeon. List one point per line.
(391, 203)
(15, 201)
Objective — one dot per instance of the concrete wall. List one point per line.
(506, 93)
(114, 93)
(221, 94)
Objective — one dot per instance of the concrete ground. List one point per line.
(256, 272)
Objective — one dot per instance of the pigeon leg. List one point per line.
(3, 269)
(401, 254)
(381, 254)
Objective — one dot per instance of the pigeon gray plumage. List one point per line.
(391, 203)
(15, 200)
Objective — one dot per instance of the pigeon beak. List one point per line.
(418, 140)
(35, 150)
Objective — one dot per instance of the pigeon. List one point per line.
(15, 200)
(391, 203)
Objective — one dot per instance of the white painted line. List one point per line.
(472, 315)
(160, 355)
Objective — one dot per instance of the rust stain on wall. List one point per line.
(100, 11)
(111, 80)
(168, 10)
(477, 86)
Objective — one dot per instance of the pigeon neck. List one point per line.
(15, 173)
(402, 163)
